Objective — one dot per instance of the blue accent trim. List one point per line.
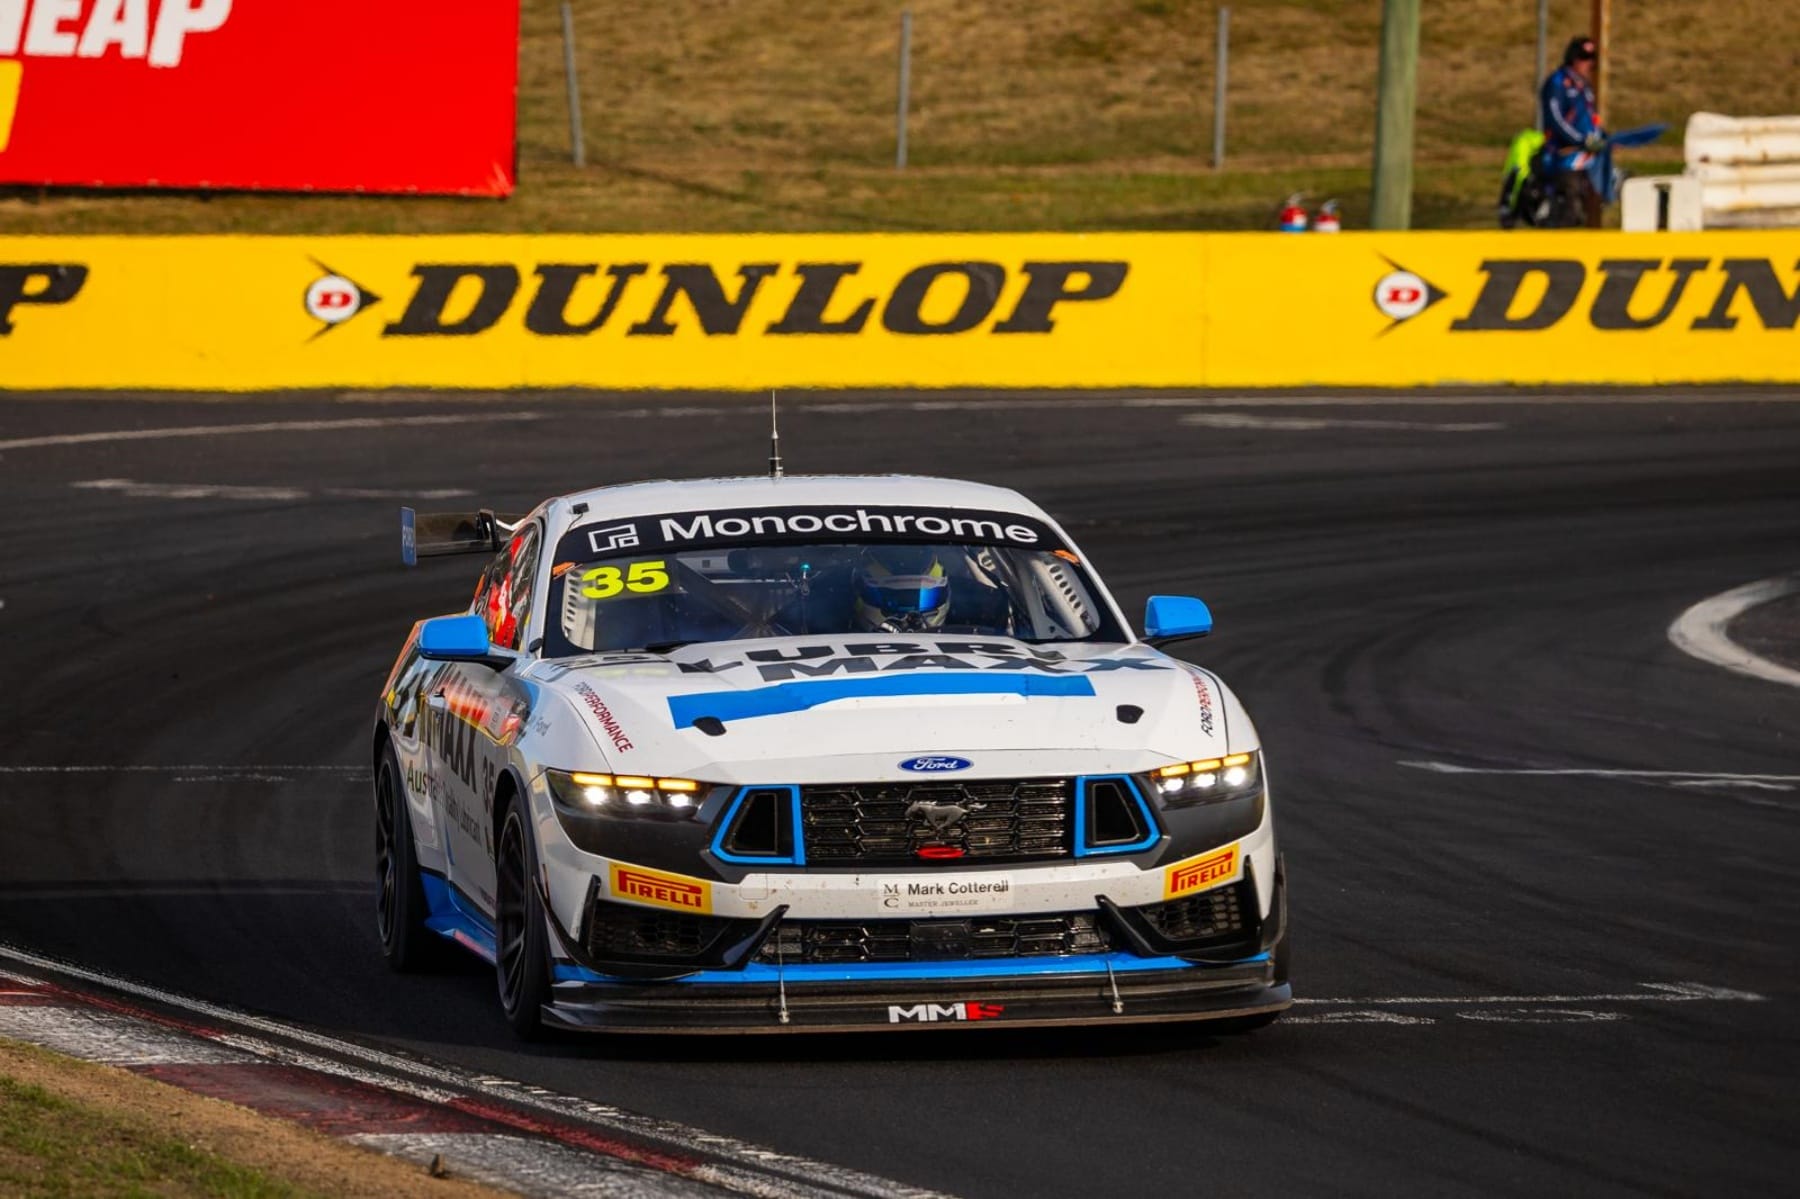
(1082, 848)
(454, 637)
(797, 858)
(784, 698)
(453, 921)
(757, 972)
(1176, 616)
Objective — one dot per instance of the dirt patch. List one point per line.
(70, 1127)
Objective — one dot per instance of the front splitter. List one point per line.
(1192, 993)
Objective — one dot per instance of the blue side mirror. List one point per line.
(1175, 618)
(459, 639)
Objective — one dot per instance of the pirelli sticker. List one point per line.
(640, 884)
(1211, 869)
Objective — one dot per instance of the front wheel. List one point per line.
(521, 959)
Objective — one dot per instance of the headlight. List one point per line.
(627, 796)
(1210, 780)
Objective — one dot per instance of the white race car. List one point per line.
(810, 753)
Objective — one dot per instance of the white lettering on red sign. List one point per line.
(121, 23)
(55, 28)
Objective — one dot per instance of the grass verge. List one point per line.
(69, 1128)
(778, 115)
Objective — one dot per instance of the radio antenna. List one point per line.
(774, 440)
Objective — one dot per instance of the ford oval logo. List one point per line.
(935, 764)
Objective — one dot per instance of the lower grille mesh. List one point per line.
(1199, 917)
(798, 942)
(616, 930)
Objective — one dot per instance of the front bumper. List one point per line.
(641, 948)
(1136, 990)
(1137, 984)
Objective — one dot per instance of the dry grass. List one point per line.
(778, 114)
(72, 1130)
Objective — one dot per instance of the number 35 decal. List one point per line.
(609, 582)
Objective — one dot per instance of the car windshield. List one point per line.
(665, 598)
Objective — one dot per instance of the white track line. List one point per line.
(259, 768)
(1508, 1009)
(1700, 631)
(137, 490)
(188, 491)
(273, 426)
(1691, 778)
(749, 1169)
(1649, 993)
(1245, 420)
(801, 401)
(379, 493)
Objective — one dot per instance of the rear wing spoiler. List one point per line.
(437, 533)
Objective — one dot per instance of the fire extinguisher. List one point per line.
(1293, 214)
(1326, 221)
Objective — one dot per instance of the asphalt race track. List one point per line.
(1577, 980)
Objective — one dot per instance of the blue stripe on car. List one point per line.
(757, 972)
(784, 698)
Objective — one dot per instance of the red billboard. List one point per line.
(285, 95)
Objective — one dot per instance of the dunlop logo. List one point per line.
(578, 299)
(1520, 295)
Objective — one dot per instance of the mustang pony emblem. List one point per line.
(940, 816)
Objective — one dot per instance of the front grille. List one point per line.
(978, 820)
(1202, 917)
(800, 942)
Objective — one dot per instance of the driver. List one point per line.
(900, 589)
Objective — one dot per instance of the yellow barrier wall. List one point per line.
(828, 310)
(1566, 307)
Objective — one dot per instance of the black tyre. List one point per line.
(522, 951)
(400, 902)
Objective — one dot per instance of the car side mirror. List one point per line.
(461, 639)
(1175, 618)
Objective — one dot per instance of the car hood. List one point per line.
(819, 709)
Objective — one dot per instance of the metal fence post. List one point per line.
(1602, 35)
(1224, 58)
(577, 142)
(905, 89)
(1390, 205)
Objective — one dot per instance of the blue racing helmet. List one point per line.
(901, 589)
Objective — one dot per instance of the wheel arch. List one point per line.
(379, 743)
(508, 786)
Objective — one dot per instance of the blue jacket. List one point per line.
(1567, 102)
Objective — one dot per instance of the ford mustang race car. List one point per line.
(810, 753)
